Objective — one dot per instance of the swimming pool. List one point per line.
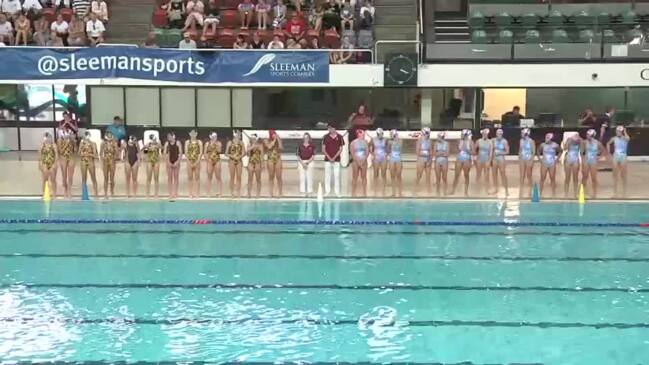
(422, 282)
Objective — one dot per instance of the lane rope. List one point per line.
(222, 222)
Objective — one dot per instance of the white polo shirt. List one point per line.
(11, 6)
(95, 28)
(60, 27)
(32, 4)
(6, 28)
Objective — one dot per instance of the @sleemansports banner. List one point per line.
(165, 65)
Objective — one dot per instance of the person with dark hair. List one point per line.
(194, 152)
(513, 117)
(108, 154)
(604, 121)
(306, 153)
(332, 147)
(47, 162)
(591, 149)
(88, 154)
(274, 147)
(152, 151)
(235, 150)
(172, 151)
(255, 152)
(213, 160)
(117, 129)
(131, 157)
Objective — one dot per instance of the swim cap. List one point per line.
(525, 132)
(425, 130)
(379, 131)
(193, 132)
(549, 136)
(620, 128)
(213, 135)
(466, 133)
(441, 135)
(591, 133)
(152, 136)
(394, 133)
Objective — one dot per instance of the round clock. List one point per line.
(401, 70)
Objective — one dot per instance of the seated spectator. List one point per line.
(12, 8)
(276, 43)
(41, 32)
(77, 32)
(297, 4)
(194, 5)
(331, 17)
(345, 53)
(32, 8)
(59, 30)
(366, 15)
(303, 43)
(315, 19)
(292, 44)
(61, 3)
(246, 11)
(194, 18)
(295, 28)
(240, 42)
(187, 42)
(23, 29)
(347, 17)
(587, 119)
(100, 8)
(257, 42)
(279, 14)
(81, 8)
(175, 13)
(211, 20)
(263, 7)
(150, 42)
(95, 30)
(315, 43)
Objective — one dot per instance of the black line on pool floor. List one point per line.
(323, 286)
(169, 362)
(333, 257)
(323, 322)
(323, 232)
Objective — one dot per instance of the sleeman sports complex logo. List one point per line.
(278, 69)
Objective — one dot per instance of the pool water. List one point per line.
(417, 282)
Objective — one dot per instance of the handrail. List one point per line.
(377, 43)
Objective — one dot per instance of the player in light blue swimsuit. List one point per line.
(360, 151)
(592, 149)
(500, 150)
(378, 148)
(548, 152)
(526, 152)
(424, 156)
(483, 162)
(395, 163)
(620, 147)
(466, 149)
(440, 152)
(572, 161)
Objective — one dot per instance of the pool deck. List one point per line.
(20, 177)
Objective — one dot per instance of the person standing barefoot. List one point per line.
(424, 154)
(47, 163)
(620, 145)
(213, 150)
(395, 163)
(131, 166)
(152, 151)
(108, 157)
(235, 150)
(548, 152)
(172, 152)
(440, 156)
(193, 151)
(274, 147)
(360, 152)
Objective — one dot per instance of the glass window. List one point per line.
(35, 102)
(70, 97)
(242, 108)
(213, 107)
(8, 102)
(178, 107)
(143, 106)
(106, 103)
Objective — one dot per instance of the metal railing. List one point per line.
(417, 43)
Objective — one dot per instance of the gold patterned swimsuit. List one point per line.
(154, 152)
(86, 152)
(193, 151)
(47, 155)
(255, 155)
(66, 148)
(235, 152)
(273, 153)
(110, 150)
(212, 152)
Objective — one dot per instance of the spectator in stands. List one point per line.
(315, 43)
(41, 32)
(292, 44)
(317, 12)
(175, 13)
(32, 8)
(276, 43)
(246, 12)
(263, 7)
(60, 3)
(149, 42)
(194, 18)
(240, 42)
(295, 28)
(587, 119)
(297, 4)
(11, 8)
(211, 19)
(187, 42)
(303, 43)
(279, 14)
(361, 119)
(95, 30)
(366, 15)
(60, 32)
(23, 29)
(77, 32)
(256, 42)
(81, 8)
(347, 16)
(344, 55)
(100, 8)
(194, 5)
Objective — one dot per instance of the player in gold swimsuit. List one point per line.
(274, 149)
(255, 152)
(47, 162)
(152, 152)
(109, 150)
(194, 152)
(66, 148)
(234, 150)
(213, 162)
(88, 154)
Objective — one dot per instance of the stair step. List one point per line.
(452, 41)
(132, 30)
(393, 19)
(396, 10)
(395, 32)
(408, 3)
(451, 28)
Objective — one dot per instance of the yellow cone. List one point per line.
(46, 192)
(582, 196)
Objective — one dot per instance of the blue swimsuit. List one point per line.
(621, 146)
(424, 150)
(441, 148)
(465, 151)
(499, 149)
(572, 156)
(592, 150)
(379, 149)
(549, 154)
(483, 150)
(395, 152)
(361, 150)
(526, 149)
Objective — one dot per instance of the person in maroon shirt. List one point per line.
(332, 147)
(305, 154)
(295, 27)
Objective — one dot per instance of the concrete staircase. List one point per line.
(130, 20)
(395, 20)
(451, 29)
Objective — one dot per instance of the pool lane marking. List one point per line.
(323, 222)
(331, 257)
(324, 322)
(224, 286)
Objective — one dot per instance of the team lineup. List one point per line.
(579, 156)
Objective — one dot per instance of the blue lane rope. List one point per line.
(319, 222)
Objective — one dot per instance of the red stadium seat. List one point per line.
(226, 38)
(229, 18)
(67, 14)
(280, 34)
(331, 39)
(209, 35)
(310, 34)
(49, 14)
(159, 18)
